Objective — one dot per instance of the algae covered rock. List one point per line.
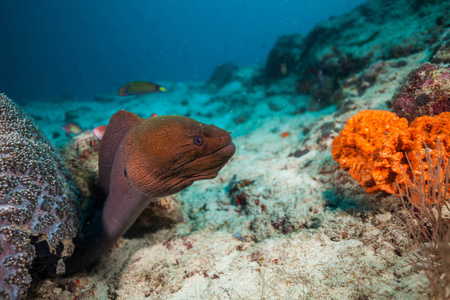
(425, 92)
(38, 203)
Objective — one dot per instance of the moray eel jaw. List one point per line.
(201, 168)
(174, 153)
(207, 167)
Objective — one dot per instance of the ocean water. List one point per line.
(74, 48)
(281, 220)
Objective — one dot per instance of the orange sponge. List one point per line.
(374, 144)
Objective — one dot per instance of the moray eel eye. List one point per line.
(125, 172)
(198, 141)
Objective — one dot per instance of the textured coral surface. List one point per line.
(425, 92)
(38, 207)
(375, 147)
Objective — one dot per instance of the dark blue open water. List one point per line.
(84, 48)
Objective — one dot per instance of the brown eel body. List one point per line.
(141, 160)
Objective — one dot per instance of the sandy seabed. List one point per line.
(306, 230)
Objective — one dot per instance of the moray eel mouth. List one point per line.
(181, 176)
(207, 166)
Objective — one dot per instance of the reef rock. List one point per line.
(284, 56)
(222, 75)
(425, 92)
(38, 203)
(80, 155)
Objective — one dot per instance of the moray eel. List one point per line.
(143, 159)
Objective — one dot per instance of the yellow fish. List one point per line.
(71, 129)
(139, 88)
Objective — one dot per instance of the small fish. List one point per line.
(71, 128)
(139, 88)
(239, 236)
(99, 131)
(283, 69)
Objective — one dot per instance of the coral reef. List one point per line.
(284, 56)
(290, 223)
(368, 76)
(425, 92)
(442, 51)
(371, 147)
(375, 146)
(38, 207)
(80, 155)
(222, 75)
(345, 45)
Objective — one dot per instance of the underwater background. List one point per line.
(339, 112)
(86, 48)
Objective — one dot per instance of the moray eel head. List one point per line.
(166, 154)
(143, 159)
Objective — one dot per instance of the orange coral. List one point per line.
(426, 131)
(374, 144)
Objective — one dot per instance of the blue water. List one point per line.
(84, 48)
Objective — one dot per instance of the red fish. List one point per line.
(140, 88)
(99, 131)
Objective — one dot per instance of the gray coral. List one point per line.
(38, 203)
